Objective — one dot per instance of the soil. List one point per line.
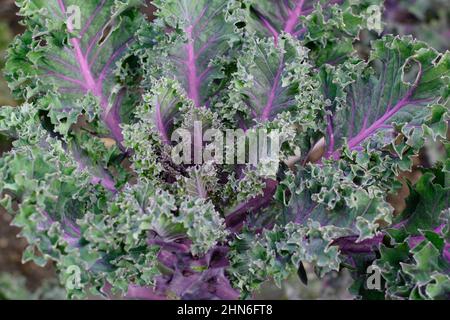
(8, 14)
(11, 248)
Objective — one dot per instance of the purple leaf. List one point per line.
(188, 282)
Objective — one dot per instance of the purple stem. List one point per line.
(273, 93)
(193, 79)
(289, 27)
(236, 218)
(294, 15)
(271, 29)
(348, 245)
(160, 124)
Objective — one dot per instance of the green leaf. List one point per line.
(425, 204)
(404, 77)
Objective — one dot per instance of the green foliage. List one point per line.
(92, 183)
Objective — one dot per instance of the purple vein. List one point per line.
(330, 131)
(115, 110)
(63, 63)
(69, 90)
(113, 57)
(273, 93)
(235, 219)
(294, 15)
(288, 28)
(91, 84)
(270, 28)
(55, 12)
(205, 73)
(206, 46)
(94, 57)
(103, 179)
(367, 132)
(268, 25)
(160, 124)
(299, 32)
(66, 78)
(92, 17)
(205, 23)
(192, 77)
(84, 67)
(93, 41)
(193, 80)
(301, 216)
(200, 17)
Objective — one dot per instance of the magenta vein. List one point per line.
(92, 17)
(193, 80)
(91, 84)
(273, 93)
(292, 21)
(113, 57)
(66, 78)
(160, 124)
(367, 132)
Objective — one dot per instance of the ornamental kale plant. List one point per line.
(92, 183)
